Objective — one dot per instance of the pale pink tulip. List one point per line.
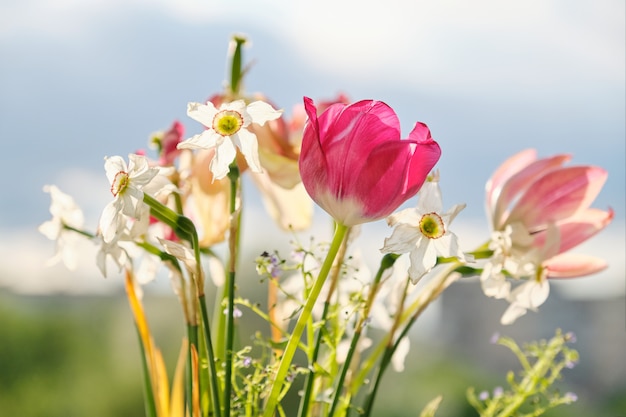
(537, 193)
(354, 164)
(539, 210)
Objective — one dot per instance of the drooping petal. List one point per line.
(423, 258)
(225, 153)
(247, 143)
(109, 221)
(211, 200)
(493, 282)
(51, 229)
(569, 265)
(578, 228)
(292, 209)
(557, 195)
(527, 296)
(282, 171)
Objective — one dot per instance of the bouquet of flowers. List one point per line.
(182, 210)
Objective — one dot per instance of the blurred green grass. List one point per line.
(68, 356)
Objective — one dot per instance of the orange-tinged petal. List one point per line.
(177, 399)
(211, 199)
(152, 355)
(291, 209)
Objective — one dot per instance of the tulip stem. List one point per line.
(310, 378)
(294, 339)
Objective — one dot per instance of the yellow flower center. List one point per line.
(120, 182)
(227, 122)
(431, 226)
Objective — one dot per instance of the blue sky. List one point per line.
(80, 80)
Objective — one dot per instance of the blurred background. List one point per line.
(83, 80)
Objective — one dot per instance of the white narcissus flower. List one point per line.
(227, 131)
(111, 250)
(65, 214)
(423, 232)
(527, 296)
(127, 182)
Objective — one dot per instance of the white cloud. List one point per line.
(449, 45)
(453, 44)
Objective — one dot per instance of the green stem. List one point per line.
(528, 386)
(294, 340)
(310, 378)
(230, 335)
(150, 405)
(192, 334)
(233, 241)
(211, 357)
(386, 262)
(415, 309)
(79, 231)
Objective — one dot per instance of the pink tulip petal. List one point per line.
(314, 169)
(578, 229)
(569, 265)
(520, 182)
(354, 164)
(395, 171)
(425, 156)
(510, 167)
(557, 195)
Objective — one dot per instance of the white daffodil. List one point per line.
(66, 214)
(127, 182)
(113, 251)
(514, 252)
(227, 131)
(423, 231)
(527, 296)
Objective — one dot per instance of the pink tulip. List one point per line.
(169, 141)
(542, 195)
(354, 164)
